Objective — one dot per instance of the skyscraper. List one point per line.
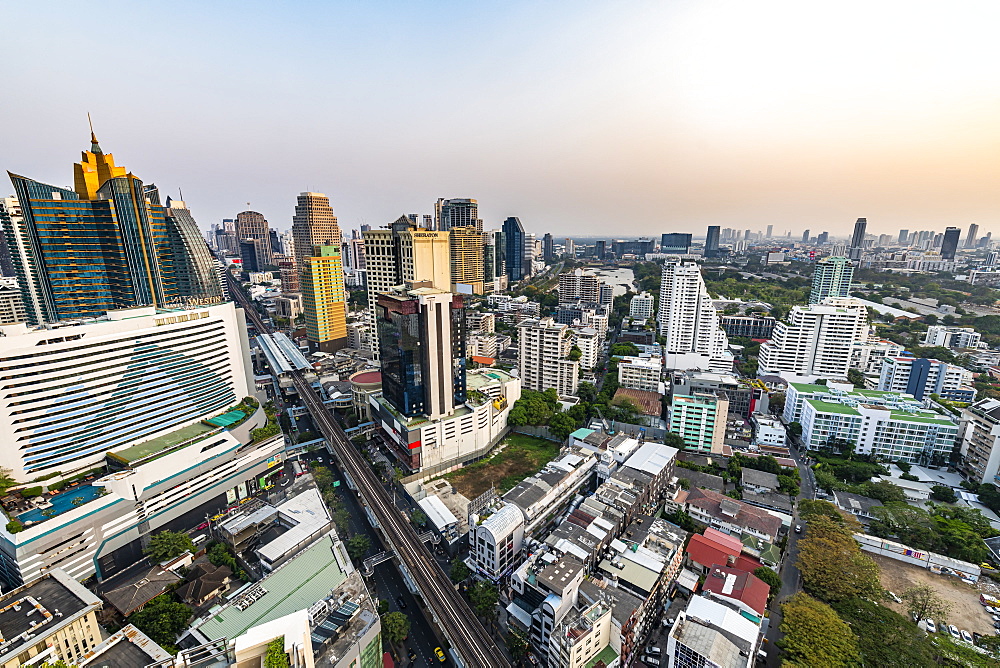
(831, 278)
(468, 265)
(970, 241)
(816, 341)
(103, 246)
(601, 249)
(314, 224)
(548, 253)
(449, 213)
(903, 236)
(253, 225)
(324, 298)
(514, 255)
(805, 237)
(858, 239)
(712, 241)
(687, 318)
(675, 242)
(770, 231)
(949, 244)
(194, 266)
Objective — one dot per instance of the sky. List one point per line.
(580, 118)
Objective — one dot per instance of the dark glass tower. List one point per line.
(858, 239)
(513, 233)
(675, 242)
(950, 243)
(712, 241)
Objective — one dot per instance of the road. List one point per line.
(467, 635)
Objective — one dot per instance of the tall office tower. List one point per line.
(513, 234)
(675, 242)
(816, 341)
(823, 238)
(194, 268)
(11, 304)
(912, 239)
(805, 237)
(253, 225)
(885, 240)
(687, 318)
(543, 356)
(712, 241)
(10, 209)
(938, 240)
(746, 235)
(601, 249)
(324, 299)
(831, 278)
(468, 266)
(227, 241)
(421, 334)
(111, 224)
(289, 271)
(449, 213)
(253, 254)
(770, 231)
(287, 242)
(949, 244)
(401, 253)
(314, 225)
(970, 240)
(582, 286)
(570, 247)
(365, 227)
(357, 246)
(903, 236)
(858, 239)
(494, 261)
(548, 254)
(529, 253)
(135, 374)
(275, 243)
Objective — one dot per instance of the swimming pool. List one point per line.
(62, 502)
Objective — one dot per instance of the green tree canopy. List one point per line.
(770, 578)
(396, 626)
(162, 619)
(832, 564)
(943, 493)
(168, 544)
(358, 546)
(815, 635)
(276, 656)
(459, 571)
(484, 597)
(922, 602)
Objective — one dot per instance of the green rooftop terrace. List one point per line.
(827, 407)
(161, 444)
(926, 418)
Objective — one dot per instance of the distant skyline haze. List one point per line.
(579, 118)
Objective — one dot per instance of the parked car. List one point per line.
(966, 636)
(798, 528)
(650, 661)
(996, 625)
(894, 597)
(987, 566)
(991, 610)
(931, 626)
(953, 630)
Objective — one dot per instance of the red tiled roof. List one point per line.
(746, 587)
(489, 361)
(706, 552)
(747, 563)
(722, 538)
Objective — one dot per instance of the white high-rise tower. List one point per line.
(687, 319)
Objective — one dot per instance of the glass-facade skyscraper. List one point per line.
(105, 245)
(513, 233)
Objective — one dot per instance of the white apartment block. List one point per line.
(588, 340)
(816, 341)
(359, 336)
(582, 286)
(11, 304)
(495, 538)
(867, 357)
(543, 349)
(580, 638)
(71, 394)
(768, 430)
(923, 377)
(700, 419)
(642, 306)
(687, 318)
(981, 441)
(952, 337)
(641, 373)
(477, 321)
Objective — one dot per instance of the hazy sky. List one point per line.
(580, 117)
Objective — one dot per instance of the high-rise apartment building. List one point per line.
(548, 251)
(805, 236)
(570, 246)
(700, 419)
(712, 241)
(687, 319)
(922, 377)
(949, 243)
(641, 373)
(582, 286)
(495, 261)
(421, 333)
(858, 238)
(904, 236)
(601, 249)
(468, 266)
(514, 255)
(642, 306)
(402, 253)
(313, 224)
(11, 305)
(832, 277)
(980, 462)
(10, 208)
(543, 356)
(324, 299)
(952, 337)
(970, 240)
(449, 213)
(253, 225)
(817, 340)
(134, 374)
(113, 225)
(675, 242)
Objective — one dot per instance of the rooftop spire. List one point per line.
(94, 146)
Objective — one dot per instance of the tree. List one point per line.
(884, 491)
(342, 518)
(6, 481)
(484, 597)
(788, 485)
(943, 493)
(587, 392)
(885, 637)
(575, 354)
(517, 644)
(989, 496)
(832, 564)
(815, 635)
(855, 377)
(459, 571)
(923, 602)
(276, 656)
(162, 619)
(358, 546)
(771, 579)
(794, 428)
(418, 517)
(167, 545)
(624, 349)
(562, 425)
(684, 483)
(396, 626)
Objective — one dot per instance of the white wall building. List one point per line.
(816, 341)
(687, 319)
(768, 430)
(709, 633)
(641, 373)
(543, 350)
(588, 340)
(495, 537)
(582, 286)
(981, 441)
(70, 394)
(642, 306)
(952, 337)
(922, 377)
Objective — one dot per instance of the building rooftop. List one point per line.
(759, 478)
(652, 458)
(729, 510)
(740, 585)
(647, 402)
(556, 576)
(296, 585)
(127, 648)
(145, 586)
(828, 407)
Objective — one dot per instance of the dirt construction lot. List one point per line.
(966, 612)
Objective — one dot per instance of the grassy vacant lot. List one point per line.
(521, 456)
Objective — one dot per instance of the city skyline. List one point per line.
(573, 110)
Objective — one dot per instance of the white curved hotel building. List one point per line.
(71, 392)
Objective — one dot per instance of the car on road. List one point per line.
(953, 630)
(411, 654)
(798, 528)
(996, 625)
(987, 566)
(966, 636)
(931, 626)
(401, 603)
(439, 654)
